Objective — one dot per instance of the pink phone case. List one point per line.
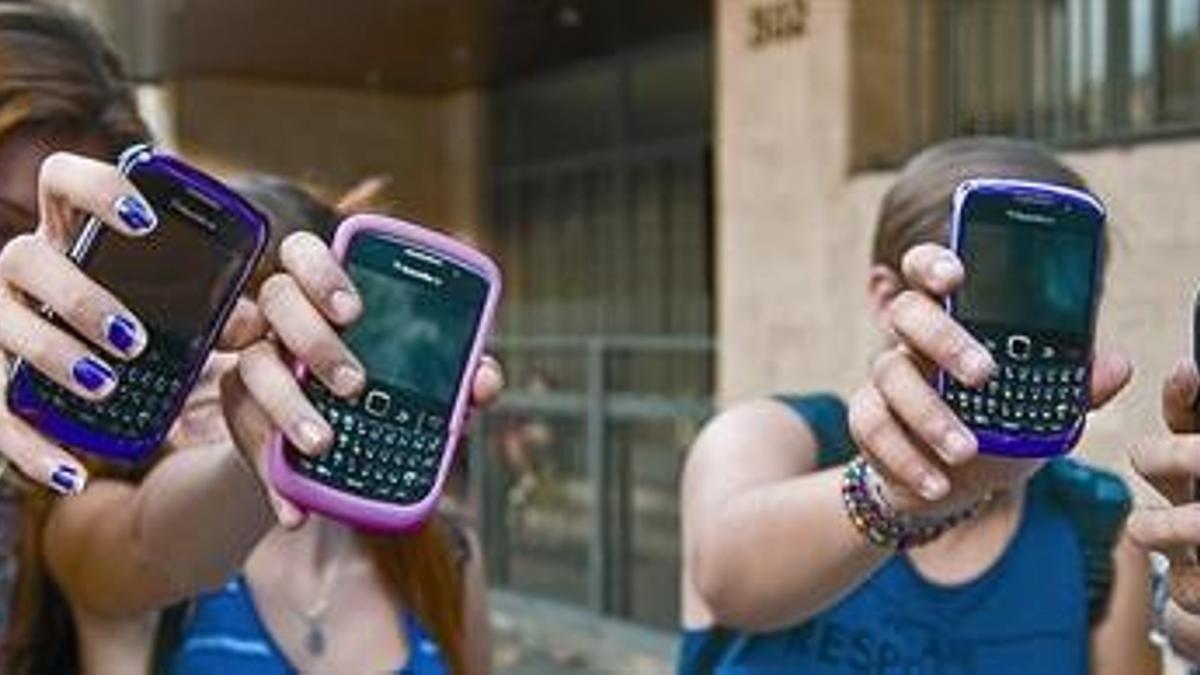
(369, 514)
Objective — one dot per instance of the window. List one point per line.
(1069, 72)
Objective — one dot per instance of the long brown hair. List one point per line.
(60, 79)
(58, 75)
(916, 209)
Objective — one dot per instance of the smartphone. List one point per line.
(1033, 255)
(428, 303)
(182, 280)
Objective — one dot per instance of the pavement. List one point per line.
(541, 637)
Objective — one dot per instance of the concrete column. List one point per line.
(791, 268)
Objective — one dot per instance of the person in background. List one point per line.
(1001, 566)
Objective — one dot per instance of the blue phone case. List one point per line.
(57, 422)
(999, 439)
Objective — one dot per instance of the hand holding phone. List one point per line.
(413, 308)
(1033, 255)
(181, 278)
(926, 454)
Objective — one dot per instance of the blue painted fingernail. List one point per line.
(123, 333)
(136, 213)
(65, 480)
(93, 374)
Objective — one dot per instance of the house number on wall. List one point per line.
(777, 21)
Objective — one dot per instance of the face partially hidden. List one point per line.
(21, 155)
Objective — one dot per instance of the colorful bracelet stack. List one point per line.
(881, 523)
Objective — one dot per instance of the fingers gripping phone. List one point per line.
(1033, 255)
(428, 305)
(182, 280)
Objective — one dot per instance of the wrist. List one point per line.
(872, 507)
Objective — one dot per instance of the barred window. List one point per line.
(1069, 72)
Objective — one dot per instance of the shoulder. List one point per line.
(765, 428)
(761, 440)
(1086, 492)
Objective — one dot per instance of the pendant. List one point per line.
(314, 642)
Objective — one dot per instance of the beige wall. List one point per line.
(430, 146)
(794, 220)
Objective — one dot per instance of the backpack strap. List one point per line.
(1096, 502)
(825, 415)
(169, 636)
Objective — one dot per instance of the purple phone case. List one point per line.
(991, 441)
(370, 514)
(26, 403)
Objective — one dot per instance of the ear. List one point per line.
(883, 284)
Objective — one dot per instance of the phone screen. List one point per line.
(1035, 272)
(179, 277)
(421, 314)
(179, 280)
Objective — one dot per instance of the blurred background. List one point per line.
(680, 193)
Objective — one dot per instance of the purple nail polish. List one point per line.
(135, 213)
(65, 480)
(92, 373)
(122, 333)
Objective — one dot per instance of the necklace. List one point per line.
(314, 616)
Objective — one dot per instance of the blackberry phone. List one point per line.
(428, 303)
(1033, 255)
(182, 280)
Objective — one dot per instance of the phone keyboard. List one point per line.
(1043, 399)
(393, 457)
(146, 389)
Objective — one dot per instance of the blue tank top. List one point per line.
(224, 634)
(1028, 613)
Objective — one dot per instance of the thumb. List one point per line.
(1111, 371)
(289, 516)
(1179, 397)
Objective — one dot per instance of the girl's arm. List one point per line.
(1120, 644)
(766, 540)
(119, 549)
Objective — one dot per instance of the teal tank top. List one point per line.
(1030, 613)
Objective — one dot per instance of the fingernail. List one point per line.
(945, 269)
(124, 334)
(348, 379)
(976, 364)
(933, 487)
(345, 304)
(93, 374)
(312, 435)
(66, 480)
(135, 213)
(958, 445)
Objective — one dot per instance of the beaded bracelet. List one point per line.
(881, 523)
